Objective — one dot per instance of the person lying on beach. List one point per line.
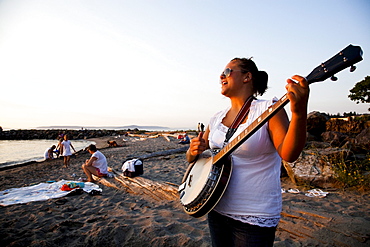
(49, 153)
(113, 144)
(97, 164)
(66, 151)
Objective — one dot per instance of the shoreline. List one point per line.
(119, 217)
(96, 137)
(30, 161)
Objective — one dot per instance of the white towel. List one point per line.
(130, 165)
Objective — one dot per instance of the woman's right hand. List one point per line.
(197, 146)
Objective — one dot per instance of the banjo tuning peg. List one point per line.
(353, 68)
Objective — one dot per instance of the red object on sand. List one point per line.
(65, 187)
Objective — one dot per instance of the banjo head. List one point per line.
(196, 178)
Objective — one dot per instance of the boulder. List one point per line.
(310, 137)
(336, 139)
(313, 167)
(361, 143)
(316, 124)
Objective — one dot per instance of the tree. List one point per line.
(360, 93)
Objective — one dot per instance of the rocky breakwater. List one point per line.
(53, 134)
(336, 153)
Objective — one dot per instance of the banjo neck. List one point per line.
(251, 129)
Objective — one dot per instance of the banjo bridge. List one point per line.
(190, 180)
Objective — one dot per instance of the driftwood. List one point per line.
(156, 190)
(108, 183)
(312, 223)
(164, 153)
(143, 136)
(141, 186)
(309, 221)
(290, 171)
(166, 137)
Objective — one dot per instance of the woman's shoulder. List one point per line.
(264, 103)
(259, 106)
(216, 119)
(219, 115)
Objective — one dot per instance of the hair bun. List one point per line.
(260, 82)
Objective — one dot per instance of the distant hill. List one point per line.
(107, 127)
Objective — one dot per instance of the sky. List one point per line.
(157, 62)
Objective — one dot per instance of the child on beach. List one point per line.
(66, 151)
(48, 155)
(59, 149)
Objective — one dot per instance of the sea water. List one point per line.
(18, 152)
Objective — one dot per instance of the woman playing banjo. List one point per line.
(249, 210)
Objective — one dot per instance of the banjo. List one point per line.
(206, 179)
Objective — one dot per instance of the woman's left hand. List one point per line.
(298, 92)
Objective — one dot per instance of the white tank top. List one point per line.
(254, 189)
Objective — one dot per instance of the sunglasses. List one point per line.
(227, 72)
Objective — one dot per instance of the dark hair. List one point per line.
(259, 78)
(92, 148)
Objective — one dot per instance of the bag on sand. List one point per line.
(133, 168)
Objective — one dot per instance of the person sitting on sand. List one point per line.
(97, 164)
(185, 139)
(66, 151)
(49, 153)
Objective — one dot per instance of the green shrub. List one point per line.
(351, 172)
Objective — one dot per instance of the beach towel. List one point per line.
(41, 192)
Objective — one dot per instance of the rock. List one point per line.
(360, 143)
(313, 167)
(53, 134)
(364, 138)
(316, 145)
(336, 139)
(311, 137)
(316, 124)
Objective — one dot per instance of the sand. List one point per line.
(119, 217)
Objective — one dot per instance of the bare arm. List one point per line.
(50, 153)
(73, 147)
(90, 161)
(289, 138)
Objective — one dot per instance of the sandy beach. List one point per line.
(121, 216)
